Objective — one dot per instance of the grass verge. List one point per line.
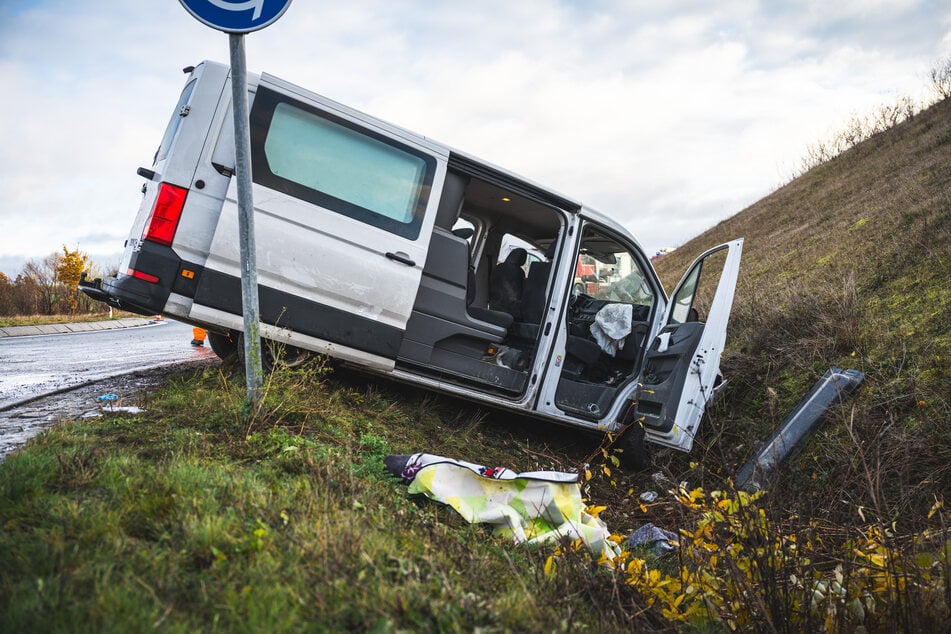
(42, 320)
(190, 517)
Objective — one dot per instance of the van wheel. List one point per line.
(635, 455)
(275, 355)
(224, 345)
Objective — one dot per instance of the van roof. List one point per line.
(459, 160)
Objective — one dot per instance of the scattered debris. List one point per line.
(648, 496)
(533, 507)
(126, 409)
(657, 540)
(113, 409)
(789, 438)
(107, 397)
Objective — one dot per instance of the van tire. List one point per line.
(634, 455)
(225, 345)
(276, 355)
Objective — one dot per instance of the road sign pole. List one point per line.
(237, 18)
(249, 275)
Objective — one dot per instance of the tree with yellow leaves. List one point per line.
(68, 266)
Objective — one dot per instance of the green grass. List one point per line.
(189, 518)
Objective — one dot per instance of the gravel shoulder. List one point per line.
(21, 423)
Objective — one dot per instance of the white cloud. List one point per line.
(668, 116)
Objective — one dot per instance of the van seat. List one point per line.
(446, 294)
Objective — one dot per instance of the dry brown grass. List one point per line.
(847, 265)
(35, 320)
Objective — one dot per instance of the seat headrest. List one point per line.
(517, 256)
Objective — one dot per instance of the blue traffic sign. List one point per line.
(236, 16)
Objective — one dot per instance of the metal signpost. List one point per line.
(237, 17)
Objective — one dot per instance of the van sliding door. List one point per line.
(344, 208)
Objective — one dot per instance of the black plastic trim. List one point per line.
(223, 292)
(471, 167)
(136, 295)
(665, 374)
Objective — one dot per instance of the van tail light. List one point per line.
(148, 277)
(166, 212)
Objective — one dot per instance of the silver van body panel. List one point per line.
(394, 253)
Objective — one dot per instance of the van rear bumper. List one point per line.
(127, 292)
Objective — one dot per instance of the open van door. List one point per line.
(344, 207)
(682, 364)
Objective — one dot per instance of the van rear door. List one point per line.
(683, 362)
(344, 207)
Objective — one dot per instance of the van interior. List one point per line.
(487, 286)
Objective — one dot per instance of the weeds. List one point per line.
(190, 520)
(737, 568)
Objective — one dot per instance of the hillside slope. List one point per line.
(848, 265)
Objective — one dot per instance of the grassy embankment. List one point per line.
(849, 265)
(190, 517)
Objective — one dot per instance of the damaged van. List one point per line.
(401, 256)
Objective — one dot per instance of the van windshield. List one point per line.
(175, 121)
(606, 270)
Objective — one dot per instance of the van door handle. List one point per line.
(399, 256)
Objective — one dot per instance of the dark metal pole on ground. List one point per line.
(249, 275)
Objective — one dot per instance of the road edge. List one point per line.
(87, 326)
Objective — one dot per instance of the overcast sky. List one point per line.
(669, 116)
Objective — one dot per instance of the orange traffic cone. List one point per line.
(199, 336)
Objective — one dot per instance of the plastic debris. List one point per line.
(789, 439)
(128, 409)
(113, 409)
(107, 397)
(531, 507)
(648, 496)
(659, 541)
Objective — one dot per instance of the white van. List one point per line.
(381, 248)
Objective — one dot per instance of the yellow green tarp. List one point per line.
(531, 507)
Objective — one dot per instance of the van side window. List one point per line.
(327, 161)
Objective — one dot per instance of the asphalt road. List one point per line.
(50, 377)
